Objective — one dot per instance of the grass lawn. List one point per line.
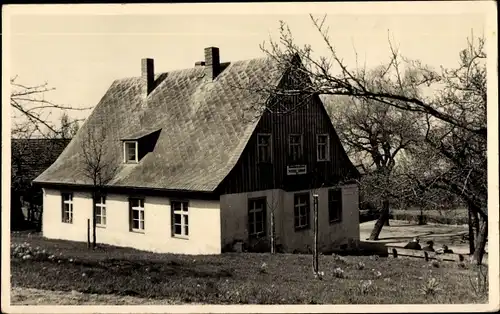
(234, 278)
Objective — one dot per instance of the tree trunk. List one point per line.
(39, 220)
(17, 221)
(471, 231)
(316, 259)
(421, 220)
(384, 216)
(94, 224)
(273, 233)
(480, 242)
(386, 223)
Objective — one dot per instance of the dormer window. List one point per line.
(130, 151)
(138, 145)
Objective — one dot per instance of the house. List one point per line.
(29, 158)
(201, 166)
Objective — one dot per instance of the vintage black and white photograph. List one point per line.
(281, 154)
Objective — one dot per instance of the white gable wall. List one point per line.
(330, 235)
(204, 219)
(234, 213)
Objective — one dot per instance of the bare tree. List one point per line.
(31, 111)
(98, 167)
(272, 206)
(455, 109)
(68, 127)
(31, 118)
(374, 134)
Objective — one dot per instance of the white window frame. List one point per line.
(100, 211)
(140, 209)
(184, 213)
(302, 206)
(326, 145)
(125, 152)
(68, 202)
(299, 144)
(269, 148)
(252, 215)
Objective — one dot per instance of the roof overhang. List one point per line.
(140, 134)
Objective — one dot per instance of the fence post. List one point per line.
(88, 233)
(316, 259)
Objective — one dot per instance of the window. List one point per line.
(323, 147)
(100, 211)
(295, 147)
(67, 207)
(256, 217)
(335, 205)
(137, 214)
(130, 152)
(180, 221)
(301, 211)
(264, 147)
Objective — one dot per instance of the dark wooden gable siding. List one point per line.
(304, 115)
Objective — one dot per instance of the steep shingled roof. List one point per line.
(205, 125)
(30, 157)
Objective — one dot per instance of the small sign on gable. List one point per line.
(296, 170)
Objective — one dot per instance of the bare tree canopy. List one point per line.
(97, 166)
(96, 163)
(451, 103)
(374, 134)
(32, 112)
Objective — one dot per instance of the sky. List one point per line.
(80, 52)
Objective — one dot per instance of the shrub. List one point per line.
(360, 265)
(374, 257)
(377, 273)
(430, 287)
(339, 258)
(479, 280)
(319, 275)
(25, 252)
(263, 268)
(431, 216)
(366, 286)
(338, 273)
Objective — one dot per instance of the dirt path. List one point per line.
(29, 296)
(400, 232)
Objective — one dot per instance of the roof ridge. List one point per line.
(228, 63)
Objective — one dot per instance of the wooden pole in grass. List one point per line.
(315, 253)
(88, 233)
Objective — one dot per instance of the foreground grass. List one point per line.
(236, 278)
(31, 296)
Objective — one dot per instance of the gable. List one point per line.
(304, 115)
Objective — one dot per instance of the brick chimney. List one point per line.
(147, 75)
(212, 62)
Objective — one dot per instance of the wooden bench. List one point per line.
(399, 251)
